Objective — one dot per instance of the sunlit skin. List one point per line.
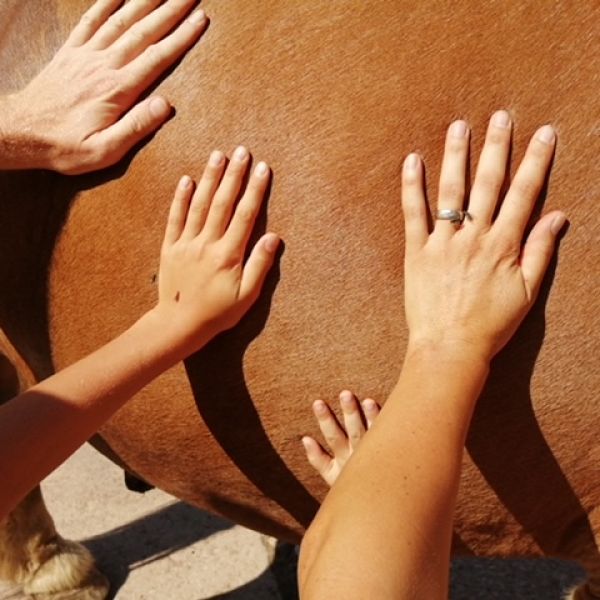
(467, 289)
(110, 58)
(205, 287)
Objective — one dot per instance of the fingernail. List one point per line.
(306, 442)
(319, 407)
(458, 129)
(271, 242)
(368, 405)
(501, 119)
(261, 169)
(557, 223)
(411, 162)
(546, 134)
(186, 182)
(197, 17)
(216, 158)
(346, 397)
(159, 107)
(240, 153)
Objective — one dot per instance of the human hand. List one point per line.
(470, 287)
(204, 285)
(341, 441)
(76, 115)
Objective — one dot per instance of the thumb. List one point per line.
(539, 248)
(257, 266)
(112, 143)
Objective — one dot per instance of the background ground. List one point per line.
(153, 547)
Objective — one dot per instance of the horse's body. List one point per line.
(332, 95)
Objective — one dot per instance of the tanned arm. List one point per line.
(384, 530)
(204, 287)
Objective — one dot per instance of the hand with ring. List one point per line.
(470, 282)
(81, 113)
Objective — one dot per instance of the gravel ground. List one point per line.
(153, 547)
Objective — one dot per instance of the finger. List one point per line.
(121, 21)
(452, 176)
(334, 435)
(91, 20)
(149, 30)
(204, 193)
(257, 266)
(157, 58)
(244, 217)
(491, 170)
(538, 250)
(179, 210)
(225, 196)
(353, 422)
(526, 185)
(108, 146)
(414, 205)
(371, 411)
(317, 457)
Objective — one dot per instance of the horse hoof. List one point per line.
(68, 574)
(581, 592)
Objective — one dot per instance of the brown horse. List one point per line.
(332, 94)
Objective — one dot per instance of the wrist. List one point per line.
(175, 340)
(21, 146)
(449, 351)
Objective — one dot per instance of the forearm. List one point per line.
(427, 415)
(40, 428)
(20, 146)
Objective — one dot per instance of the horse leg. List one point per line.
(34, 556)
(32, 553)
(582, 544)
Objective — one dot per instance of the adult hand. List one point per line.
(204, 285)
(80, 113)
(469, 287)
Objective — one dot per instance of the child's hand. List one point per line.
(468, 288)
(204, 285)
(341, 441)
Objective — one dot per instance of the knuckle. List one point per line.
(220, 204)
(538, 150)
(245, 214)
(88, 19)
(497, 137)
(452, 190)
(117, 23)
(526, 187)
(456, 146)
(489, 181)
(410, 178)
(137, 35)
(137, 125)
(154, 54)
(412, 211)
(222, 257)
(331, 440)
(505, 245)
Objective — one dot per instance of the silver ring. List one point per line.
(454, 216)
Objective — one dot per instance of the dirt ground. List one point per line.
(153, 547)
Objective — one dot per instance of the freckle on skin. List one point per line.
(177, 297)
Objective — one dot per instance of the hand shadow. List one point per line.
(227, 408)
(508, 446)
